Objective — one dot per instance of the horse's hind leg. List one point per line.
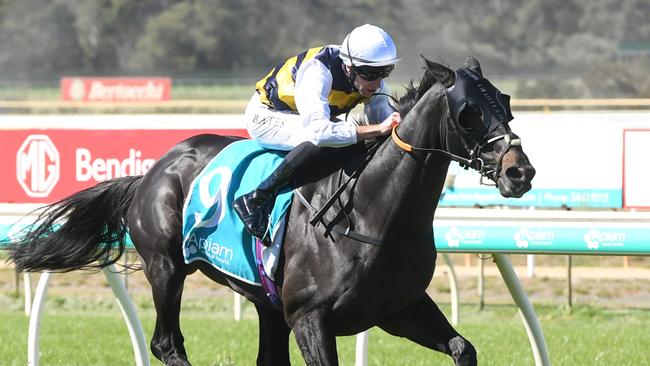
(157, 237)
(166, 276)
(425, 324)
(274, 337)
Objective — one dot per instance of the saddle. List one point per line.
(212, 231)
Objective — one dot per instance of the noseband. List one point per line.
(491, 172)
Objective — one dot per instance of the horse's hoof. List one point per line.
(462, 351)
(177, 361)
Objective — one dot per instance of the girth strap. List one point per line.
(347, 232)
(319, 214)
(371, 152)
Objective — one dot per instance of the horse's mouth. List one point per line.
(515, 180)
(510, 189)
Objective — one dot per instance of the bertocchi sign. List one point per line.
(44, 166)
(103, 89)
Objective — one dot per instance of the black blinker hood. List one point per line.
(472, 89)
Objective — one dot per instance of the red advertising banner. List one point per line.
(43, 166)
(98, 89)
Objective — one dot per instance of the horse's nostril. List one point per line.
(514, 173)
(520, 173)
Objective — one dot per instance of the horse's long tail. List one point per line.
(83, 231)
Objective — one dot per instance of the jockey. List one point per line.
(296, 104)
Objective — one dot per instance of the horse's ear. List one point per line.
(472, 64)
(441, 73)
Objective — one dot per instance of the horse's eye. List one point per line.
(470, 117)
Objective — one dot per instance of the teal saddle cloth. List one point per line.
(212, 231)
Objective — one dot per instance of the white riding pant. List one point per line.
(277, 130)
(284, 130)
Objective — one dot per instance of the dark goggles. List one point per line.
(372, 73)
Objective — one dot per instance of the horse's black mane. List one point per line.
(407, 101)
(414, 93)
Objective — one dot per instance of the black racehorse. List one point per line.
(332, 284)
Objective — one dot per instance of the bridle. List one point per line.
(473, 152)
(473, 160)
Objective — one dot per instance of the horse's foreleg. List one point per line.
(166, 276)
(425, 324)
(274, 337)
(315, 339)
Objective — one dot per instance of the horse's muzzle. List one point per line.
(515, 181)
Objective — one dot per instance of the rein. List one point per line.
(410, 148)
(319, 213)
(473, 161)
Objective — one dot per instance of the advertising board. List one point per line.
(42, 166)
(115, 89)
(636, 172)
(579, 156)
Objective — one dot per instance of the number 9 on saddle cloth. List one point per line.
(212, 231)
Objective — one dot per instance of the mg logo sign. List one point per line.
(37, 166)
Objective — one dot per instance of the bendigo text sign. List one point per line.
(43, 166)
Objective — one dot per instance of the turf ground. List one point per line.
(83, 326)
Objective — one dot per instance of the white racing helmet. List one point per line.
(368, 45)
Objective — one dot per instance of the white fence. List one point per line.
(630, 229)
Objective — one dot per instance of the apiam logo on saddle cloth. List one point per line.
(212, 231)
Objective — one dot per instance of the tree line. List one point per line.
(560, 40)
